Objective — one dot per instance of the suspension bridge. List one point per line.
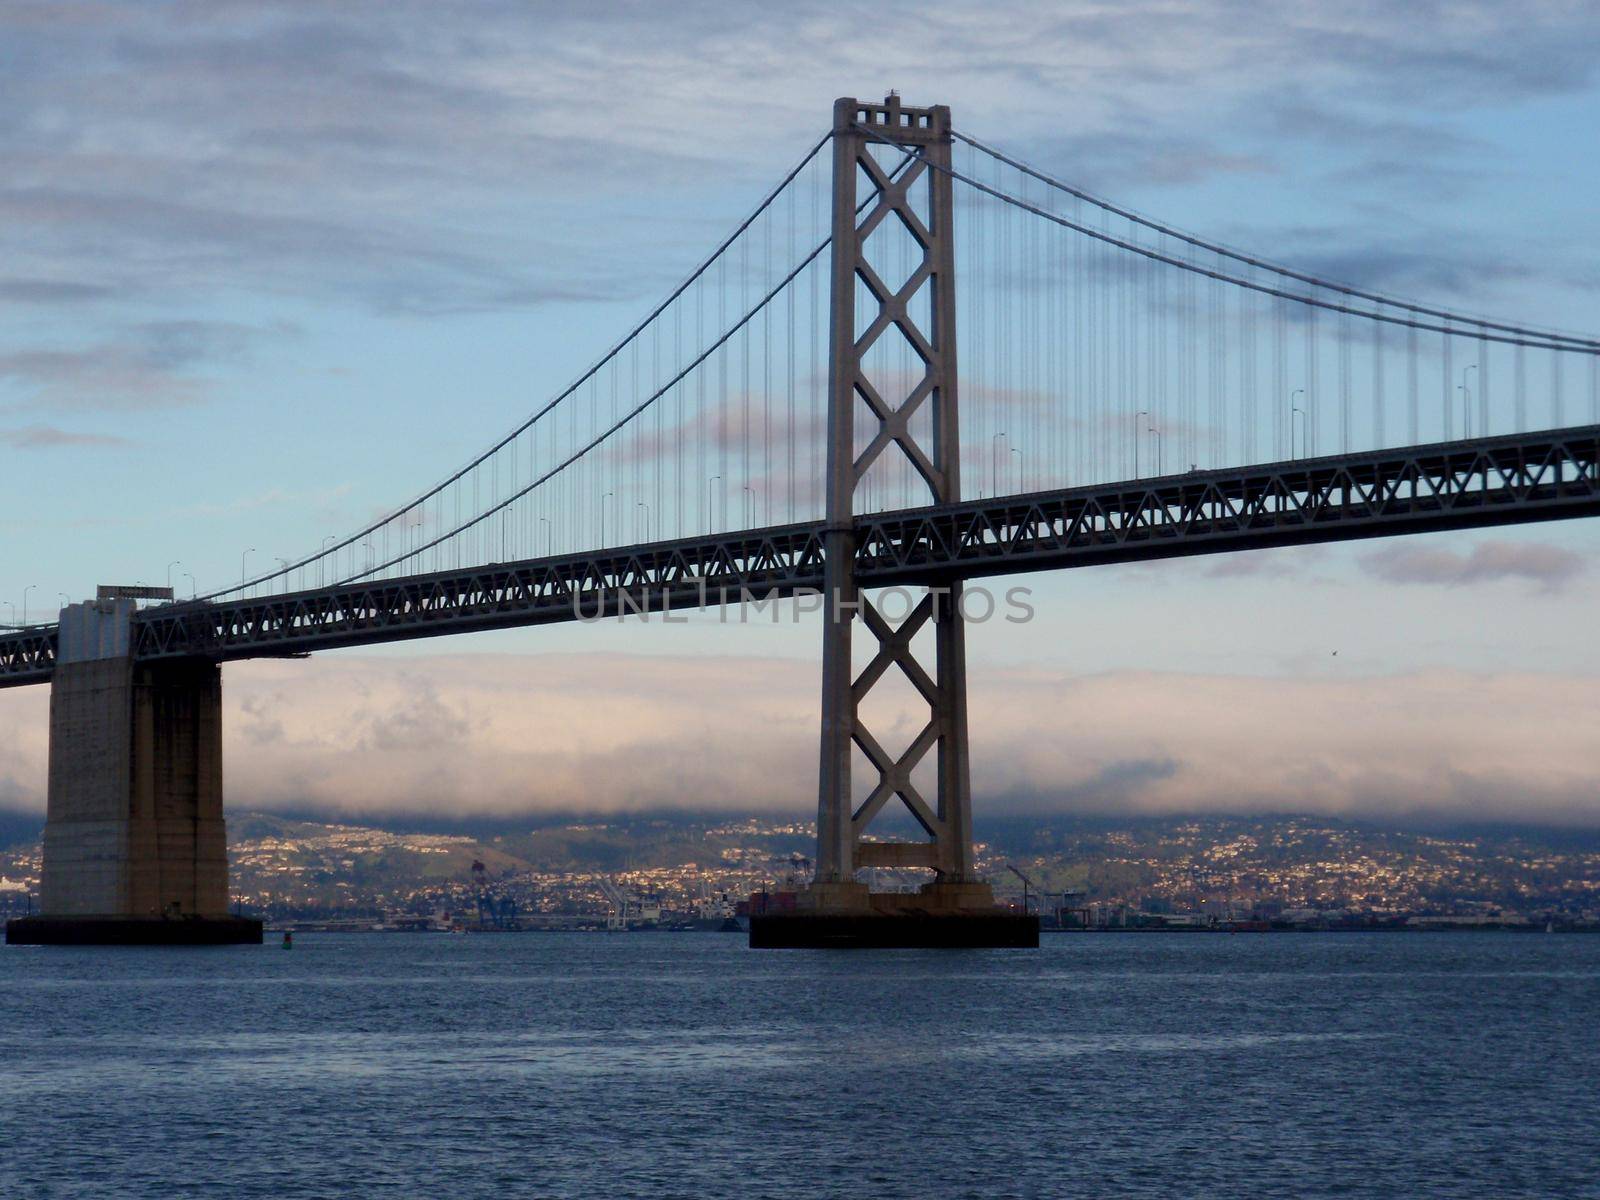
(791, 420)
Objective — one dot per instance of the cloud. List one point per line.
(1549, 567)
(1256, 566)
(1304, 118)
(51, 291)
(1425, 262)
(509, 734)
(103, 378)
(151, 365)
(354, 151)
(48, 437)
(1107, 160)
(1470, 54)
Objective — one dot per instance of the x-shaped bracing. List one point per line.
(894, 774)
(894, 309)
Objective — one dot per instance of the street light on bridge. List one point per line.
(322, 550)
(994, 460)
(1143, 412)
(242, 558)
(1292, 411)
(1466, 401)
(709, 506)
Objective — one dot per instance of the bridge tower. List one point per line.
(887, 161)
(134, 843)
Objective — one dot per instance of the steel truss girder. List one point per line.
(1456, 485)
(1550, 475)
(27, 655)
(655, 578)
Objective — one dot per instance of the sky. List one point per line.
(265, 268)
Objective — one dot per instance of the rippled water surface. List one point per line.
(687, 1065)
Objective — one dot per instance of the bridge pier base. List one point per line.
(939, 916)
(135, 850)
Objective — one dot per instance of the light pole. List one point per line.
(709, 482)
(1157, 434)
(194, 588)
(1143, 412)
(25, 592)
(549, 536)
(367, 546)
(66, 600)
(322, 550)
(283, 568)
(170, 565)
(242, 559)
(994, 460)
(1292, 411)
(749, 506)
(603, 518)
(1018, 453)
(646, 507)
(1466, 400)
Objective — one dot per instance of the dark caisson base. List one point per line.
(876, 931)
(133, 931)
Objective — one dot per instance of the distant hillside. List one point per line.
(19, 830)
(285, 864)
(296, 863)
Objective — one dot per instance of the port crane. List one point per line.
(627, 909)
(492, 913)
(617, 920)
(1028, 886)
(1071, 901)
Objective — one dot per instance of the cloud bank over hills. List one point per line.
(507, 734)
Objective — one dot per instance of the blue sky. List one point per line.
(267, 268)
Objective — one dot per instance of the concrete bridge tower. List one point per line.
(134, 844)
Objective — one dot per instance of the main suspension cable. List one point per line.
(1275, 268)
(1535, 340)
(571, 389)
(676, 379)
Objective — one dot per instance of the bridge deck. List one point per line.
(1518, 478)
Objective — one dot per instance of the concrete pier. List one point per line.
(135, 849)
(843, 916)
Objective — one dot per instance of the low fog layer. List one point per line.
(508, 734)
